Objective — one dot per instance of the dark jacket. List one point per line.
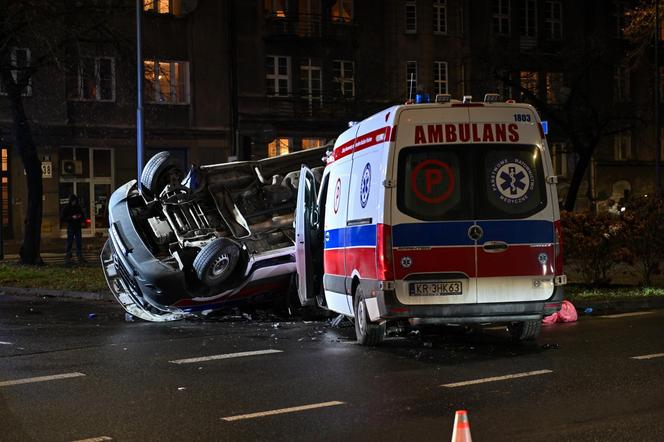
(73, 215)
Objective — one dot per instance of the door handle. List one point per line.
(494, 246)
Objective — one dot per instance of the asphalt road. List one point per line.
(67, 375)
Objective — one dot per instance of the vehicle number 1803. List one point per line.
(436, 288)
(522, 117)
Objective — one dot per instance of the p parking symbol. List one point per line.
(432, 181)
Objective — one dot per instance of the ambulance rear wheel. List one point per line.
(367, 333)
(525, 331)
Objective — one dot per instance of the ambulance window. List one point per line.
(432, 183)
(514, 185)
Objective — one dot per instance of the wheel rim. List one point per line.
(361, 318)
(219, 266)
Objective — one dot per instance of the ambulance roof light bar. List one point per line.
(443, 98)
(492, 98)
(467, 99)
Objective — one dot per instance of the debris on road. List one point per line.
(567, 313)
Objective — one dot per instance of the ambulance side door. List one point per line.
(306, 224)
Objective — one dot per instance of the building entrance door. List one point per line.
(89, 174)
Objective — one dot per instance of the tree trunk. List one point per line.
(25, 145)
(577, 178)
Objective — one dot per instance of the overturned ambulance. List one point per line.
(222, 234)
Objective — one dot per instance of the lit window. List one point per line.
(411, 79)
(622, 147)
(530, 82)
(528, 25)
(280, 146)
(621, 85)
(440, 77)
(344, 78)
(94, 80)
(411, 17)
(342, 11)
(276, 8)
(553, 20)
(277, 76)
(310, 143)
(158, 6)
(166, 82)
(440, 17)
(20, 60)
(554, 87)
(500, 23)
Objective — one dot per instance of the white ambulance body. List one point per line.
(434, 213)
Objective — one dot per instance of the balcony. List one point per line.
(325, 107)
(307, 26)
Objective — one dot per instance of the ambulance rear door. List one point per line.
(434, 249)
(514, 209)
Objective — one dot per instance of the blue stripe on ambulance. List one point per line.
(444, 233)
(355, 236)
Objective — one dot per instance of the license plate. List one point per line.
(439, 288)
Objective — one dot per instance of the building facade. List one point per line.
(249, 79)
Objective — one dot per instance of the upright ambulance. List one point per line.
(434, 213)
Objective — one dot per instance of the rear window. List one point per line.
(474, 182)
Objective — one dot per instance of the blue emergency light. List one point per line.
(422, 97)
(545, 127)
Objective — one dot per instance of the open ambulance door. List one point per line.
(306, 225)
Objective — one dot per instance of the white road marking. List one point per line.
(225, 356)
(282, 411)
(95, 439)
(5, 343)
(54, 377)
(497, 378)
(625, 315)
(652, 356)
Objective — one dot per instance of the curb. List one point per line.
(620, 305)
(91, 296)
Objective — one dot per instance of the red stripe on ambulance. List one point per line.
(362, 259)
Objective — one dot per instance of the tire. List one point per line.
(162, 169)
(525, 331)
(367, 333)
(216, 262)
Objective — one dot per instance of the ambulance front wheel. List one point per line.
(367, 332)
(525, 331)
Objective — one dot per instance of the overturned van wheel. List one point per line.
(525, 331)
(216, 262)
(162, 169)
(367, 332)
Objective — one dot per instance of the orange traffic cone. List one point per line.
(461, 431)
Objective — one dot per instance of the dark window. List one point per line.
(433, 184)
(486, 181)
(513, 182)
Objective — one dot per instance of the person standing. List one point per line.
(72, 214)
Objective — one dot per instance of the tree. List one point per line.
(581, 109)
(52, 31)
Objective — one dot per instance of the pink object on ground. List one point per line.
(567, 313)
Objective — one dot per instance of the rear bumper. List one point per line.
(389, 307)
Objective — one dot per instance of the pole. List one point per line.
(658, 135)
(140, 136)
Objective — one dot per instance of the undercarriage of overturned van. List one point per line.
(220, 236)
